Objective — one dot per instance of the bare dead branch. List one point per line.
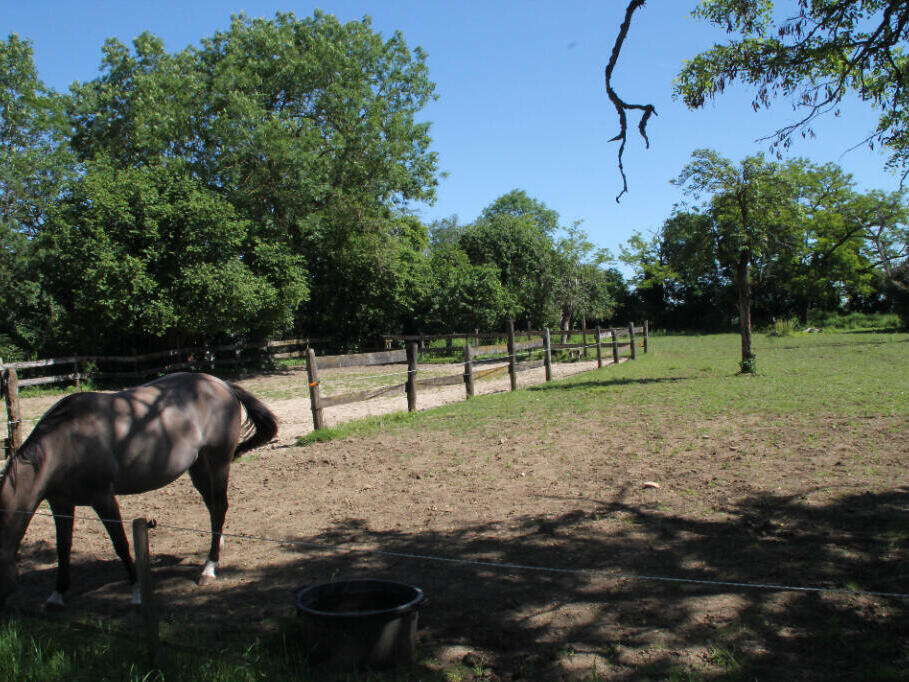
(621, 106)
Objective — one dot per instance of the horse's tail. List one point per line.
(263, 420)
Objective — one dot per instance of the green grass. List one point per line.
(37, 649)
(805, 375)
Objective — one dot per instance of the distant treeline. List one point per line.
(258, 184)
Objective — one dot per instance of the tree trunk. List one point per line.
(743, 284)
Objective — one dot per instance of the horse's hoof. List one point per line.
(205, 580)
(54, 603)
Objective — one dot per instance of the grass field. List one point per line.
(794, 476)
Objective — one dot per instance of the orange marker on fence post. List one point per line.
(315, 391)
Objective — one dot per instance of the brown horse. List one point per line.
(90, 447)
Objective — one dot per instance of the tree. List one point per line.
(518, 244)
(680, 280)
(816, 56)
(462, 295)
(148, 256)
(35, 167)
(518, 204)
(35, 161)
(307, 129)
(583, 288)
(753, 206)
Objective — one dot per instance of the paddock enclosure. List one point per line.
(680, 513)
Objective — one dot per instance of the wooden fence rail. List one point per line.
(473, 352)
(506, 356)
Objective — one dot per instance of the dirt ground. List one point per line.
(756, 501)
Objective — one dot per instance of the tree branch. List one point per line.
(620, 105)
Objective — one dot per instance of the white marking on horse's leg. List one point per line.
(55, 601)
(221, 543)
(137, 596)
(208, 572)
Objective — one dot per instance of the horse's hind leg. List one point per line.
(109, 512)
(63, 521)
(211, 482)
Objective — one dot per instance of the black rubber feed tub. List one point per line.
(355, 623)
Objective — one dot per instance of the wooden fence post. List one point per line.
(584, 337)
(146, 588)
(599, 348)
(646, 336)
(615, 346)
(631, 339)
(315, 391)
(13, 413)
(412, 354)
(468, 369)
(547, 353)
(511, 358)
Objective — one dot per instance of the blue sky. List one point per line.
(521, 101)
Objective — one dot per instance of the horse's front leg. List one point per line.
(64, 514)
(109, 512)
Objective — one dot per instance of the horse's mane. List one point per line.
(32, 451)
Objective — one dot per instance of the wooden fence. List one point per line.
(475, 357)
(134, 369)
(236, 357)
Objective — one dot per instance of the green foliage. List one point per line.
(583, 288)
(518, 204)
(464, 296)
(816, 54)
(35, 167)
(149, 252)
(522, 252)
(855, 320)
(35, 161)
(222, 187)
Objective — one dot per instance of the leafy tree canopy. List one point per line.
(815, 56)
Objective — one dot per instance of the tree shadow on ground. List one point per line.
(514, 600)
(624, 590)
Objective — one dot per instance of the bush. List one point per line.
(835, 320)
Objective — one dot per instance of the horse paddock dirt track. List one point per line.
(574, 493)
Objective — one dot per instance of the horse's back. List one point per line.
(145, 437)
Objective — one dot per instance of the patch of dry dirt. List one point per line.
(771, 501)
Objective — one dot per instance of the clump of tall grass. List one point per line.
(783, 327)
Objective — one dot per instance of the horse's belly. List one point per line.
(142, 473)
